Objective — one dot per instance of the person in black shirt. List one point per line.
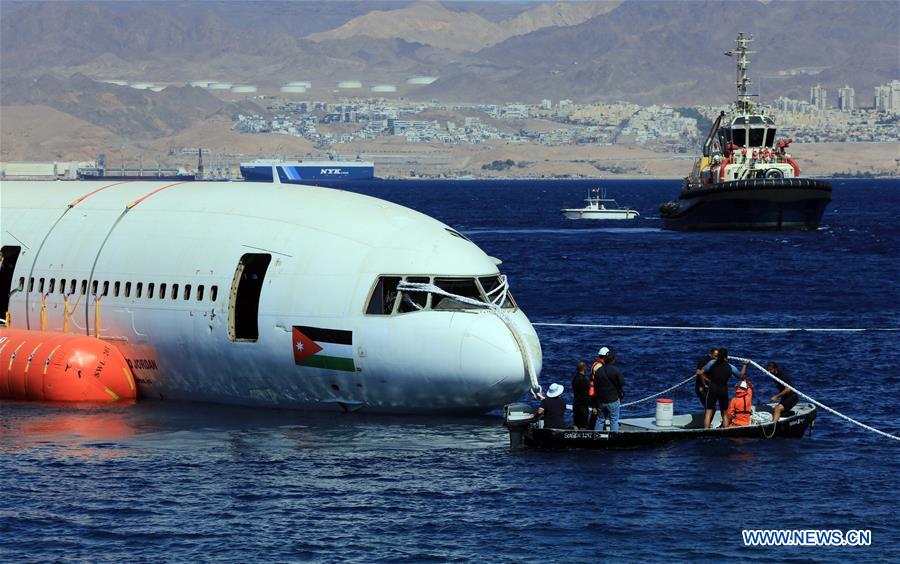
(787, 396)
(700, 387)
(580, 397)
(608, 393)
(553, 408)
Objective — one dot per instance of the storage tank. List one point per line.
(290, 89)
(421, 80)
(303, 83)
(220, 86)
(349, 84)
(384, 88)
(141, 85)
(243, 89)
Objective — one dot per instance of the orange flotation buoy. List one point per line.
(48, 366)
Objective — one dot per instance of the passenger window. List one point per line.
(174, 291)
(83, 287)
(200, 293)
(21, 283)
(187, 292)
(464, 287)
(162, 291)
(413, 301)
(31, 284)
(106, 287)
(94, 288)
(52, 286)
(62, 286)
(128, 289)
(383, 296)
(150, 287)
(139, 289)
(490, 285)
(116, 290)
(213, 293)
(72, 285)
(41, 286)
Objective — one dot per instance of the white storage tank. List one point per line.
(421, 80)
(384, 88)
(243, 89)
(665, 408)
(349, 84)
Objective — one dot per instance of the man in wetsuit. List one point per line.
(700, 386)
(786, 396)
(716, 374)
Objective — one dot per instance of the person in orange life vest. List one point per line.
(581, 385)
(741, 406)
(592, 386)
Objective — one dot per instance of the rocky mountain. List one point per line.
(56, 54)
(137, 114)
(432, 23)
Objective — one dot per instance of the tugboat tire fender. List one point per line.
(794, 164)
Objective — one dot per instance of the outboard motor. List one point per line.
(517, 417)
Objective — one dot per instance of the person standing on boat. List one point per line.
(701, 388)
(609, 393)
(716, 374)
(553, 408)
(581, 384)
(786, 396)
(592, 385)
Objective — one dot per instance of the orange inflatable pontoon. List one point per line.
(40, 365)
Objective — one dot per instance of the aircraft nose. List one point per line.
(497, 357)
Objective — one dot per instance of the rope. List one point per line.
(497, 297)
(642, 400)
(817, 403)
(745, 329)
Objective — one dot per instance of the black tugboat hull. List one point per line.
(793, 426)
(761, 204)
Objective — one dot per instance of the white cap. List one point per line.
(554, 390)
(743, 384)
(603, 351)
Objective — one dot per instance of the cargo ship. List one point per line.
(295, 172)
(745, 179)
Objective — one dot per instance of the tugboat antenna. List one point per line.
(743, 62)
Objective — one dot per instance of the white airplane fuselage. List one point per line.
(263, 294)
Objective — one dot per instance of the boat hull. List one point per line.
(601, 214)
(761, 204)
(793, 426)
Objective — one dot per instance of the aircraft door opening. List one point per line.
(8, 257)
(243, 304)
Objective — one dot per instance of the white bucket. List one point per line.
(664, 410)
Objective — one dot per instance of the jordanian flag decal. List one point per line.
(331, 349)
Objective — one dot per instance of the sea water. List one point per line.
(177, 482)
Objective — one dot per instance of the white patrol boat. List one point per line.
(599, 208)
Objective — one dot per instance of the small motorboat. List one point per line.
(524, 431)
(599, 208)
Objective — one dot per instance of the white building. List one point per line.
(818, 97)
(846, 99)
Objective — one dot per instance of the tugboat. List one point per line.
(745, 179)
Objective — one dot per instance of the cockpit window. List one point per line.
(414, 301)
(491, 287)
(387, 299)
(464, 287)
(384, 296)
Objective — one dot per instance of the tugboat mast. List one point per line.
(743, 62)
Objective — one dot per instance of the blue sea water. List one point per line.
(182, 482)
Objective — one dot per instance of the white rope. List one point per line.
(648, 398)
(817, 403)
(744, 329)
(497, 297)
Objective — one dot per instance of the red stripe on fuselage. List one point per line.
(100, 189)
(160, 189)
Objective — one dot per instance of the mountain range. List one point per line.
(58, 54)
